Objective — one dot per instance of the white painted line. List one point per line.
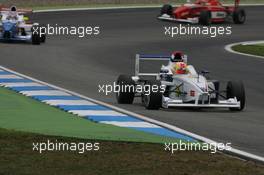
(10, 77)
(21, 84)
(84, 113)
(45, 93)
(233, 151)
(229, 48)
(252, 42)
(122, 7)
(68, 102)
(132, 124)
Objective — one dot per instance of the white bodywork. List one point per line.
(18, 19)
(188, 90)
(188, 20)
(15, 17)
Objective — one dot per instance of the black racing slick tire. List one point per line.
(236, 89)
(205, 18)
(239, 16)
(36, 39)
(166, 9)
(43, 36)
(125, 94)
(152, 100)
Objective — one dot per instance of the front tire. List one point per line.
(216, 87)
(205, 18)
(236, 89)
(239, 16)
(126, 95)
(153, 100)
(166, 9)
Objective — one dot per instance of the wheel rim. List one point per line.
(146, 100)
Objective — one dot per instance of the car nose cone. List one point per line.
(8, 26)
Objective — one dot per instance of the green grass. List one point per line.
(261, 44)
(17, 157)
(27, 121)
(21, 113)
(250, 49)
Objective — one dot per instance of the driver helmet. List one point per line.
(180, 68)
(13, 9)
(177, 56)
(12, 15)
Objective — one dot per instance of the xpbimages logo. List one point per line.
(122, 88)
(80, 147)
(196, 146)
(210, 31)
(80, 31)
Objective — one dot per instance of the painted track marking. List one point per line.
(168, 130)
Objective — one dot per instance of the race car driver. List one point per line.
(177, 64)
(12, 14)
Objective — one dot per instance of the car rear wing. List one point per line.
(141, 57)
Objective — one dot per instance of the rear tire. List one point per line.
(236, 89)
(127, 95)
(36, 39)
(205, 18)
(154, 99)
(43, 36)
(239, 16)
(166, 9)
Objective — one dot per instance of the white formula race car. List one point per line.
(190, 89)
(14, 27)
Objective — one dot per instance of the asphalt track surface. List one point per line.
(81, 65)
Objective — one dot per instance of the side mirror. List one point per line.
(205, 72)
(164, 71)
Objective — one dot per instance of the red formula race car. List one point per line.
(204, 12)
